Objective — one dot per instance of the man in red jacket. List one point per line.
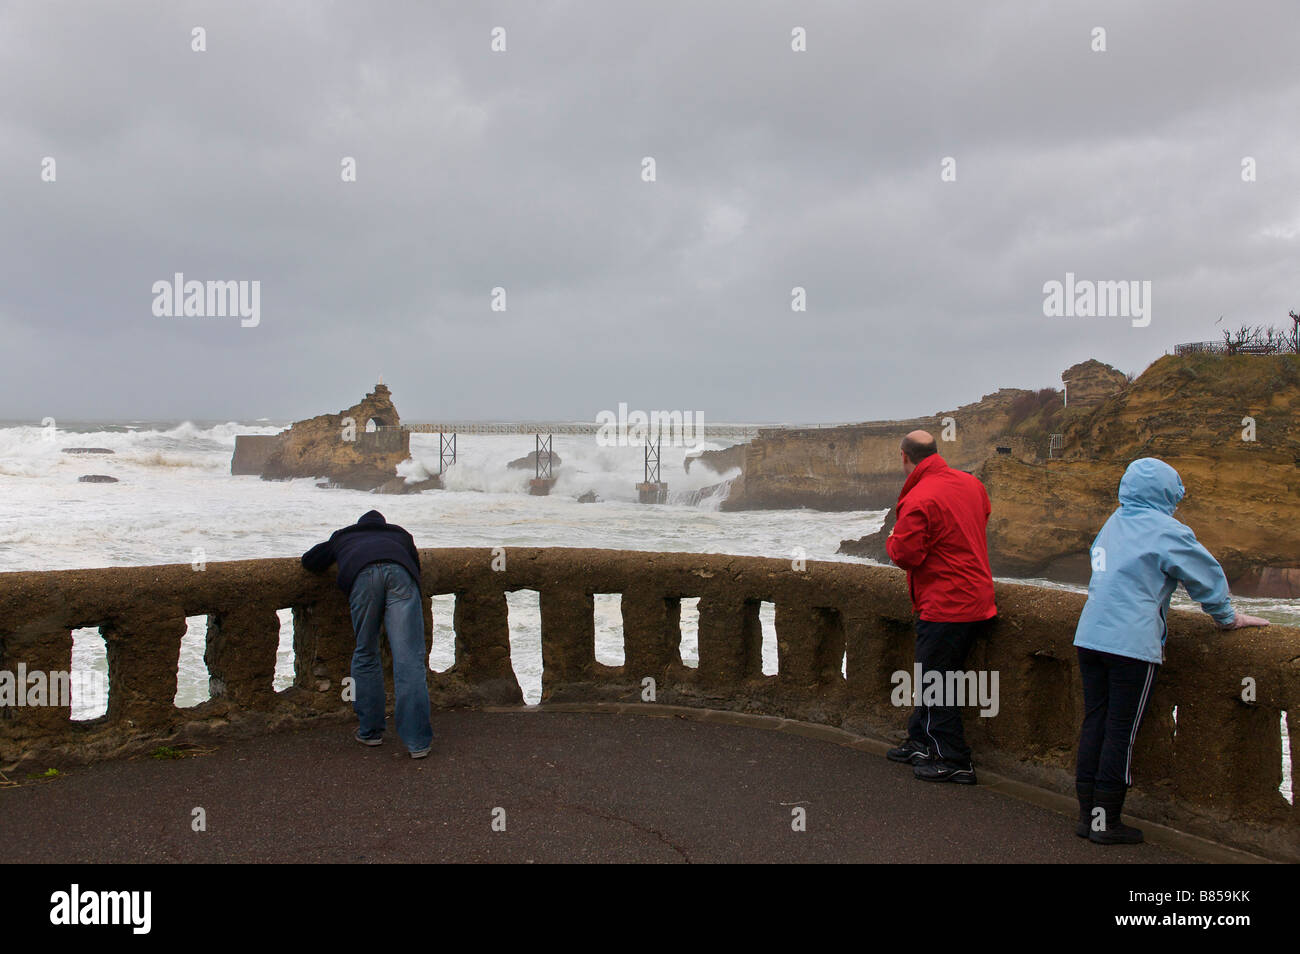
(939, 539)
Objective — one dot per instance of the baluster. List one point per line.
(36, 649)
(568, 636)
(323, 643)
(143, 657)
(652, 633)
(240, 654)
(731, 640)
(482, 624)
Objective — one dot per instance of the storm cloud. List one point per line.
(522, 169)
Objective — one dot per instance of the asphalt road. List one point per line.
(569, 787)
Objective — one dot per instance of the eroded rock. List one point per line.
(338, 447)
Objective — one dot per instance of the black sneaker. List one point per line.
(937, 770)
(910, 751)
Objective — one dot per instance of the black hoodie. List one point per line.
(370, 540)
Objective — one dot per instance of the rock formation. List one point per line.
(398, 485)
(251, 452)
(1090, 383)
(338, 446)
(529, 462)
(857, 466)
(1230, 426)
(87, 450)
(719, 461)
(96, 479)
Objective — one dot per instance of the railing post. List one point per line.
(568, 636)
(143, 658)
(878, 646)
(482, 624)
(323, 643)
(652, 633)
(36, 649)
(1227, 755)
(809, 644)
(731, 640)
(240, 654)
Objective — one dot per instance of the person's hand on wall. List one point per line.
(1241, 621)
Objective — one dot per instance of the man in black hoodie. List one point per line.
(379, 569)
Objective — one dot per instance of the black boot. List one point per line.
(1084, 791)
(1113, 831)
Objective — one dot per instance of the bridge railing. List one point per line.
(1209, 757)
(677, 430)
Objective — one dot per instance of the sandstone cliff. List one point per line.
(352, 457)
(1197, 413)
(857, 466)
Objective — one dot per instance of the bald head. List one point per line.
(917, 446)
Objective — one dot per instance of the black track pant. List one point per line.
(943, 647)
(1116, 693)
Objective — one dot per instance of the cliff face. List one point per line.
(319, 447)
(857, 466)
(1230, 426)
(1243, 496)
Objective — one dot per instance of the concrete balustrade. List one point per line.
(1215, 771)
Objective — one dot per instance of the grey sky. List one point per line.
(522, 169)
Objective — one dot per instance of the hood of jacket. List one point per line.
(1153, 484)
(372, 518)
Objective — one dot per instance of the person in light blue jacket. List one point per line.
(1138, 559)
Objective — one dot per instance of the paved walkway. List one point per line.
(573, 786)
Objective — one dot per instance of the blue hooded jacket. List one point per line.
(1140, 556)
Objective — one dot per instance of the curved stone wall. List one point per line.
(1214, 771)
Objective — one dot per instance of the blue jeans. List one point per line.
(385, 592)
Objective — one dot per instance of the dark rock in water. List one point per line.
(96, 479)
(589, 497)
(88, 450)
(529, 461)
(326, 485)
(398, 485)
(872, 546)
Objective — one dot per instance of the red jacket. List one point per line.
(940, 541)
